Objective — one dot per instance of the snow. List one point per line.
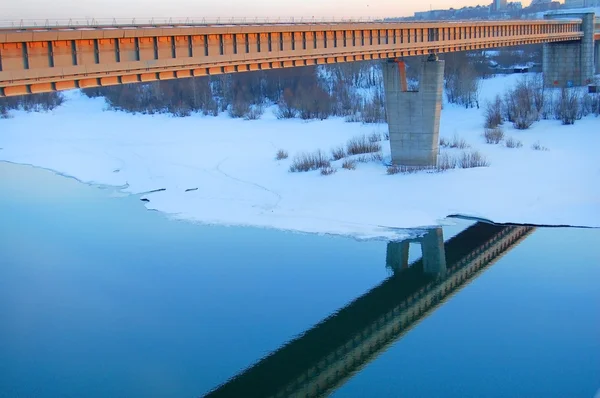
(231, 163)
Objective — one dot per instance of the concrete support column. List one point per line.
(434, 254)
(414, 116)
(571, 63)
(397, 255)
(597, 56)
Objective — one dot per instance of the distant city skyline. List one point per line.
(25, 9)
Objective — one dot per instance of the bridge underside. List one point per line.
(34, 60)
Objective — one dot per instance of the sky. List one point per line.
(28, 9)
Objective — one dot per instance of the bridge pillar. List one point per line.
(570, 63)
(414, 116)
(397, 255)
(434, 254)
(597, 56)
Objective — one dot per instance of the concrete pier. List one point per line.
(414, 116)
(434, 254)
(397, 255)
(571, 63)
(597, 56)
(432, 249)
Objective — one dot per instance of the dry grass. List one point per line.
(446, 162)
(309, 161)
(375, 137)
(328, 170)
(466, 160)
(395, 169)
(361, 145)
(377, 157)
(338, 153)
(281, 154)
(472, 159)
(458, 143)
(513, 143)
(493, 135)
(538, 147)
(444, 143)
(349, 164)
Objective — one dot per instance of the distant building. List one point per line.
(499, 5)
(516, 5)
(575, 3)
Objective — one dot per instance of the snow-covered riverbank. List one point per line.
(223, 171)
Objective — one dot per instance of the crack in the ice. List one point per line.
(254, 184)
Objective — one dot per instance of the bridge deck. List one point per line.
(46, 59)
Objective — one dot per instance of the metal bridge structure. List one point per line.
(48, 56)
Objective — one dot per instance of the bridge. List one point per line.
(62, 56)
(329, 354)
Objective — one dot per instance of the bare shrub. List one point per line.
(238, 109)
(349, 164)
(362, 159)
(493, 135)
(538, 147)
(587, 105)
(309, 161)
(472, 159)
(567, 109)
(458, 142)
(373, 110)
(446, 162)
(462, 83)
(255, 112)
(4, 112)
(493, 113)
(394, 169)
(328, 170)
(513, 143)
(377, 157)
(398, 169)
(31, 103)
(353, 118)
(285, 106)
(338, 153)
(521, 104)
(281, 154)
(375, 137)
(444, 143)
(360, 145)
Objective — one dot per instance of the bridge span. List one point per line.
(329, 354)
(54, 58)
(42, 59)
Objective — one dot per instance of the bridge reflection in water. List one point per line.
(330, 353)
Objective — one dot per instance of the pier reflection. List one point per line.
(327, 355)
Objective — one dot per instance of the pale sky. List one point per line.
(26, 9)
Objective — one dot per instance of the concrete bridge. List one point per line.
(330, 353)
(36, 59)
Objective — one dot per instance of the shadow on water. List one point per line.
(326, 356)
(480, 219)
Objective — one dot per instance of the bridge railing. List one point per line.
(82, 23)
(135, 22)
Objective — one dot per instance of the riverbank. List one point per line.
(218, 170)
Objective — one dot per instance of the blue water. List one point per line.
(101, 298)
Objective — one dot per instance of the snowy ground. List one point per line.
(231, 163)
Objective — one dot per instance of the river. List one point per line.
(101, 298)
